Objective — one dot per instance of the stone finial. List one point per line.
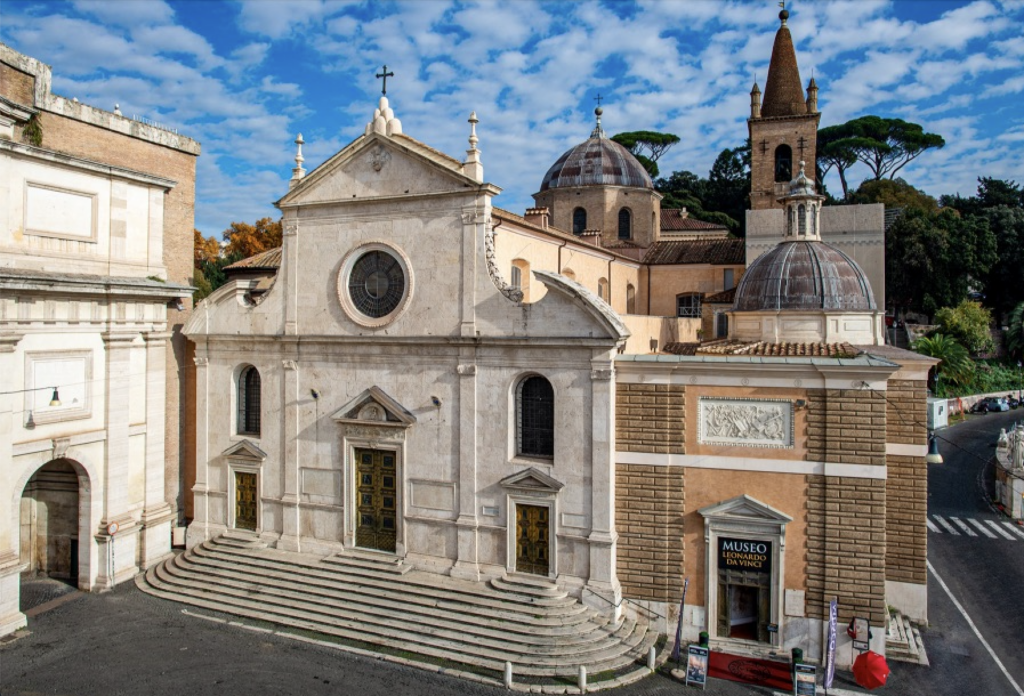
(384, 121)
(473, 167)
(298, 172)
(117, 110)
(598, 131)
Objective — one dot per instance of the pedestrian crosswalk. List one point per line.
(992, 529)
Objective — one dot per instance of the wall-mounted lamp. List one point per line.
(54, 400)
(314, 393)
(800, 403)
(30, 421)
(933, 456)
(436, 401)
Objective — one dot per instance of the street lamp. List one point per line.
(54, 400)
(933, 456)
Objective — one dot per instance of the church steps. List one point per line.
(384, 609)
(390, 590)
(528, 661)
(416, 583)
(518, 629)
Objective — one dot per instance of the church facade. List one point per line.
(420, 374)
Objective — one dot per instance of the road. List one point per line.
(126, 642)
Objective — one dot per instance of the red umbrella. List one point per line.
(870, 670)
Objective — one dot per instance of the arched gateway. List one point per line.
(53, 538)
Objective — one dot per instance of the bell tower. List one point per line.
(784, 127)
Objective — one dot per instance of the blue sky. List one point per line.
(245, 77)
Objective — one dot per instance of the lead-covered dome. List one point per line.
(804, 276)
(597, 161)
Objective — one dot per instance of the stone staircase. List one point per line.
(377, 602)
(903, 641)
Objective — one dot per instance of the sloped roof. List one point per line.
(673, 221)
(597, 161)
(760, 348)
(267, 260)
(714, 251)
(724, 297)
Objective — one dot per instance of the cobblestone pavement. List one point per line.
(39, 591)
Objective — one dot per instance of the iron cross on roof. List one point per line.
(385, 74)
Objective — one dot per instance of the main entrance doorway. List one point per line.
(743, 606)
(376, 499)
(49, 519)
(532, 539)
(245, 500)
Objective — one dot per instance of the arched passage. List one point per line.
(53, 529)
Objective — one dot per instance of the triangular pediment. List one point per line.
(374, 407)
(746, 509)
(245, 449)
(534, 480)
(379, 166)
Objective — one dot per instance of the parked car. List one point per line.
(1013, 401)
(990, 404)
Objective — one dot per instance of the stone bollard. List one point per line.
(508, 675)
(582, 679)
(651, 655)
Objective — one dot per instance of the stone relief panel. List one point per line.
(746, 422)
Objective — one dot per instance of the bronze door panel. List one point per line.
(245, 501)
(376, 499)
(532, 540)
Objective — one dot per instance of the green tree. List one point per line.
(647, 146)
(832, 152)
(894, 193)
(1015, 332)
(955, 364)
(934, 260)
(886, 145)
(969, 324)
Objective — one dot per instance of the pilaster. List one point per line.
(11, 618)
(467, 563)
(603, 580)
(157, 514)
(290, 455)
(198, 531)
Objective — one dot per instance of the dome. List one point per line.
(597, 161)
(804, 275)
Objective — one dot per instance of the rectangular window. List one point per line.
(728, 282)
(688, 306)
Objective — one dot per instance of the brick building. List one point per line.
(96, 236)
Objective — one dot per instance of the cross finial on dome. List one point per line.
(598, 132)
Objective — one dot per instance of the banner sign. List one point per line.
(804, 677)
(697, 666)
(679, 626)
(744, 554)
(861, 634)
(830, 654)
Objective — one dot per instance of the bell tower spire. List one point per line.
(784, 126)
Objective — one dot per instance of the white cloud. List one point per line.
(127, 13)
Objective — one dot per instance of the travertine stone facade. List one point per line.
(650, 418)
(846, 531)
(650, 504)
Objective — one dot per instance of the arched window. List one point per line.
(802, 218)
(625, 224)
(630, 299)
(688, 305)
(521, 277)
(783, 163)
(535, 418)
(814, 220)
(579, 221)
(249, 402)
(791, 227)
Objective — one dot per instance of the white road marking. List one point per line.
(1014, 528)
(974, 628)
(947, 525)
(931, 526)
(967, 530)
(982, 528)
(999, 528)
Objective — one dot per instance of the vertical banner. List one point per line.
(830, 650)
(677, 653)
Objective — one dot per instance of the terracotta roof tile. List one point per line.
(267, 260)
(715, 251)
(672, 221)
(724, 297)
(730, 347)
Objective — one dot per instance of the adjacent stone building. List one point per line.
(96, 220)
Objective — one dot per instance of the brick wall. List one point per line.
(765, 136)
(650, 418)
(846, 426)
(907, 412)
(649, 507)
(906, 495)
(16, 85)
(846, 542)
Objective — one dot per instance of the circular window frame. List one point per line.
(344, 297)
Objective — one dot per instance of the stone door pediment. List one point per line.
(746, 509)
(532, 480)
(245, 450)
(374, 407)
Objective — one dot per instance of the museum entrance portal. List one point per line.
(377, 497)
(532, 539)
(744, 589)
